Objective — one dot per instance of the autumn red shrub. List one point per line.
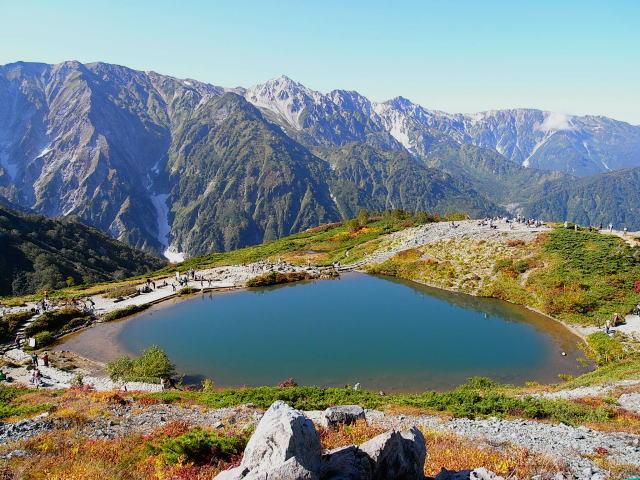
(289, 382)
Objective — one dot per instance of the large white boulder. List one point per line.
(397, 455)
(283, 434)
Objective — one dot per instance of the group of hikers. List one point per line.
(609, 324)
(520, 219)
(183, 280)
(593, 228)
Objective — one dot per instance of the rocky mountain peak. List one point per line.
(285, 98)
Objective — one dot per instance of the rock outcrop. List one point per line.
(286, 446)
(398, 455)
(342, 414)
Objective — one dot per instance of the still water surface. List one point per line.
(382, 332)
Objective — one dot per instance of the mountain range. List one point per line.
(180, 167)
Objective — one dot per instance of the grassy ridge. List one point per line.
(577, 276)
(323, 245)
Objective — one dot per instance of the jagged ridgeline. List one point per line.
(169, 165)
(43, 253)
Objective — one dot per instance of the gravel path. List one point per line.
(600, 390)
(55, 378)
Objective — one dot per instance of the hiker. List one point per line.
(173, 285)
(167, 382)
(566, 224)
(16, 341)
(34, 359)
(611, 228)
(3, 376)
(38, 377)
(616, 319)
(45, 359)
(607, 326)
(624, 231)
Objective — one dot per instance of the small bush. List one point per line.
(55, 320)
(43, 339)
(275, 278)
(201, 447)
(289, 382)
(124, 312)
(521, 266)
(153, 362)
(120, 292)
(516, 243)
(187, 291)
(603, 349)
(207, 385)
(76, 322)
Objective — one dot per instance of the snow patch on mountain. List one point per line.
(394, 122)
(159, 202)
(170, 252)
(173, 255)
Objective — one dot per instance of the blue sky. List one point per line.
(574, 57)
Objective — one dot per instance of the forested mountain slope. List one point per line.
(46, 253)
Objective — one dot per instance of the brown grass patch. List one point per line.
(344, 435)
(301, 257)
(446, 450)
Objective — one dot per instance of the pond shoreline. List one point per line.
(104, 345)
(580, 332)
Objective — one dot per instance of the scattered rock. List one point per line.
(343, 414)
(630, 401)
(476, 474)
